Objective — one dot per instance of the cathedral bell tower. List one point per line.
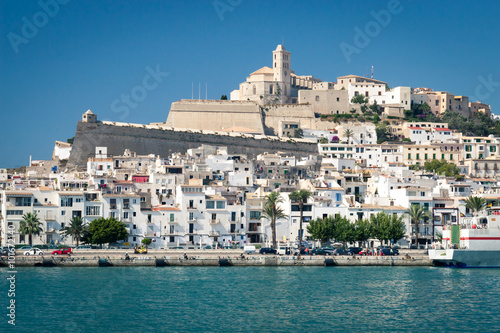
(281, 69)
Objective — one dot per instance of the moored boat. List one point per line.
(471, 244)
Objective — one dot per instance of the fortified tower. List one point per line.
(281, 69)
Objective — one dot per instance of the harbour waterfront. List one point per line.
(250, 299)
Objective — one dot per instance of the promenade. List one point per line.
(162, 258)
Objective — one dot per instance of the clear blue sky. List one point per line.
(87, 54)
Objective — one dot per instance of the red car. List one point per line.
(365, 252)
(62, 251)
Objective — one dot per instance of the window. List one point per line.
(221, 204)
(210, 204)
(255, 215)
(317, 98)
(338, 196)
(23, 201)
(93, 210)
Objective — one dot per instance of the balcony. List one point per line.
(216, 221)
(50, 230)
(214, 233)
(173, 233)
(112, 206)
(254, 231)
(192, 220)
(191, 208)
(126, 206)
(50, 217)
(173, 221)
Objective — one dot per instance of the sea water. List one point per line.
(252, 299)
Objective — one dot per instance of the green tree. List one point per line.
(102, 231)
(75, 229)
(223, 98)
(321, 229)
(348, 133)
(383, 132)
(146, 241)
(362, 230)
(344, 230)
(30, 225)
(298, 133)
(359, 99)
(475, 204)
(417, 214)
(323, 140)
(273, 212)
(397, 228)
(300, 197)
(442, 167)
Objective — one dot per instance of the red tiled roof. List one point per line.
(415, 128)
(442, 129)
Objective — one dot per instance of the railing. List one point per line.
(216, 221)
(194, 219)
(213, 233)
(174, 221)
(191, 208)
(50, 217)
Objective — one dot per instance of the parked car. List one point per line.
(388, 252)
(365, 252)
(322, 252)
(62, 251)
(341, 252)
(354, 250)
(83, 247)
(267, 250)
(33, 252)
(26, 247)
(177, 248)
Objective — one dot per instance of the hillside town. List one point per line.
(208, 196)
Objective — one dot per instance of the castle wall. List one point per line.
(215, 115)
(302, 114)
(144, 139)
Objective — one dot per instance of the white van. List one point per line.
(249, 249)
(287, 250)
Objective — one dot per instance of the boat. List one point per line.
(472, 243)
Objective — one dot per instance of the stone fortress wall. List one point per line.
(156, 139)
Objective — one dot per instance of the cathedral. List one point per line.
(276, 85)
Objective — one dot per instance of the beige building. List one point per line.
(276, 85)
(419, 154)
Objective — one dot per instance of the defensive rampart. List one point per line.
(151, 139)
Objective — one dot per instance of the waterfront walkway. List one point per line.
(108, 258)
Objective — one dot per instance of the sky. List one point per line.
(129, 60)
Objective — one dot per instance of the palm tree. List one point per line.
(348, 134)
(75, 229)
(273, 212)
(417, 214)
(475, 204)
(30, 225)
(300, 197)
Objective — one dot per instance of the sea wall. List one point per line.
(152, 139)
(250, 260)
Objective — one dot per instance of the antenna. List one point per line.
(372, 72)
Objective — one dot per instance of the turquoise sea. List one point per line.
(253, 299)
